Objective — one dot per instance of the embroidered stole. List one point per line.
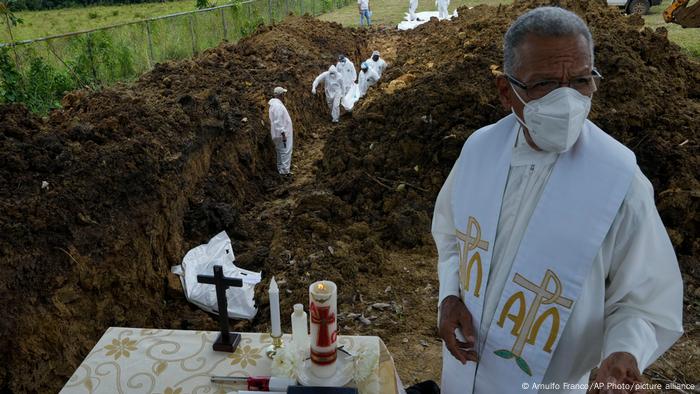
(579, 202)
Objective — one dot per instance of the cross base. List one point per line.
(221, 346)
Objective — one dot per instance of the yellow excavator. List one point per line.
(679, 12)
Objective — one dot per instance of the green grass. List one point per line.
(44, 23)
(51, 22)
(391, 12)
(688, 39)
(170, 38)
(39, 73)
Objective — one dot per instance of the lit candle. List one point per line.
(323, 308)
(274, 294)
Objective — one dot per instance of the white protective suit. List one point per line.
(442, 8)
(412, 7)
(378, 66)
(334, 89)
(282, 134)
(347, 70)
(366, 79)
(631, 299)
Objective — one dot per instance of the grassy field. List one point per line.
(39, 73)
(173, 38)
(51, 22)
(688, 39)
(393, 11)
(45, 23)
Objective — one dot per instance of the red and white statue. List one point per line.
(323, 308)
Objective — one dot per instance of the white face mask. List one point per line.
(555, 120)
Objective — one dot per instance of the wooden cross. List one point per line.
(227, 341)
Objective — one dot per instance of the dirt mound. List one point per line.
(404, 138)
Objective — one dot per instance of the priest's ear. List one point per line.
(505, 93)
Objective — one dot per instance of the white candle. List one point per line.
(274, 294)
(323, 309)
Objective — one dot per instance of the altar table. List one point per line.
(135, 360)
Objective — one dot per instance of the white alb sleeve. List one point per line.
(644, 291)
(443, 230)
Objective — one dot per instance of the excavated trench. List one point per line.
(137, 174)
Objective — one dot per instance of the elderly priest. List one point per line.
(552, 257)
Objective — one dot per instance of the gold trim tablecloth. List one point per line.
(135, 360)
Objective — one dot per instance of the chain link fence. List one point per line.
(51, 66)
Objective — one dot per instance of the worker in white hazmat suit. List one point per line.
(412, 6)
(376, 63)
(347, 69)
(368, 77)
(334, 89)
(281, 131)
(442, 8)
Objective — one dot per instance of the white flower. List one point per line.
(286, 362)
(366, 361)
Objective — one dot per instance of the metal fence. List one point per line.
(124, 51)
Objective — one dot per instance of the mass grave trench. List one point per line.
(101, 198)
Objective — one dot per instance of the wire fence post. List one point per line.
(301, 7)
(70, 70)
(313, 7)
(91, 56)
(269, 10)
(223, 22)
(150, 57)
(194, 39)
(12, 42)
(286, 8)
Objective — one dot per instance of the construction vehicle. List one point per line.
(640, 7)
(679, 12)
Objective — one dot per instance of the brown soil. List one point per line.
(138, 174)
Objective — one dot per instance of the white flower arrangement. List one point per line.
(287, 361)
(365, 361)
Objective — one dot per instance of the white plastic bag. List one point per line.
(201, 261)
(348, 101)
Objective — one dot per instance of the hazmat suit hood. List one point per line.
(332, 70)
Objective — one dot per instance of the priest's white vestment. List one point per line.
(630, 296)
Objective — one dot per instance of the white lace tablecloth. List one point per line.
(134, 360)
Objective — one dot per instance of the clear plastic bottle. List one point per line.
(300, 328)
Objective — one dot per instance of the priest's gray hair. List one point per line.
(543, 22)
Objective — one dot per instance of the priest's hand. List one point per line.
(616, 373)
(454, 314)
